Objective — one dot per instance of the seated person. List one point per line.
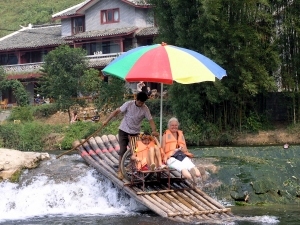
(148, 92)
(139, 86)
(96, 118)
(38, 99)
(74, 117)
(173, 141)
(147, 154)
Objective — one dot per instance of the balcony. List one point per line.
(97, 60)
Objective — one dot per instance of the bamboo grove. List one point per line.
(256, 41)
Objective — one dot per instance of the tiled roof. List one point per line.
(77, 9)
(138, 2)
(70, 11)
(33, 37)
(103, 33)
(93, 63)
(147, 31)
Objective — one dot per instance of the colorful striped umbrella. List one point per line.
(162, 63)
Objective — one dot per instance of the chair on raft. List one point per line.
(137, 176)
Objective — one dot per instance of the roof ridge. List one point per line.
(70, 8)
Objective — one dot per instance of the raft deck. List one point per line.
(176, 199)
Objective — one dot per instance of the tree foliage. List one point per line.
(19, 91)
(63, 73)
(111, 94)
(240, 36)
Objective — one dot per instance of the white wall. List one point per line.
(129, 16)
(66, 27)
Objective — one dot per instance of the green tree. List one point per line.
(111, 94)
(63, 70)
(240, 36)
(19, 91)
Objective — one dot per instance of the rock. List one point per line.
(12, 161)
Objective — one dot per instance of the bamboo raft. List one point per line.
(178, 200)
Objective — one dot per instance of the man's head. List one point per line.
(141, 98)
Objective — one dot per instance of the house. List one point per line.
(104, 28)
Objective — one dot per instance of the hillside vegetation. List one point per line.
(15, 13)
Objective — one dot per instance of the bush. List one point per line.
(26, 136)
(45, 110)
(10, 135)
(154, 107)
(77, 131)
(112, 127)
(24, 114)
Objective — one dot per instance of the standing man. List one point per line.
(134, 112)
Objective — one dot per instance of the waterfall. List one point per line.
(63, 187)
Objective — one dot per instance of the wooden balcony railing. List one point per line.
(35, 67)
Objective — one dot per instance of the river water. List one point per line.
(67, 191)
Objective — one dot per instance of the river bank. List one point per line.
(279, 135)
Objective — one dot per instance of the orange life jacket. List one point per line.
(141, 152)
(171, 143)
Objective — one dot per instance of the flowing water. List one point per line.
(67, 191)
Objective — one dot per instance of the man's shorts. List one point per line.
(123, 141)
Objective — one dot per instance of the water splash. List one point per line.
(87, 194)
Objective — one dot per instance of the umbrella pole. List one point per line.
(161, 108)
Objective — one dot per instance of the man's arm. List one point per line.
(112, 115)
(153, 128)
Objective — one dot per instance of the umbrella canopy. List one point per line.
(162, 63)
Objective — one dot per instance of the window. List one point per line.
(8, 59)
(78, 25)
(110, 16)
(105, 47)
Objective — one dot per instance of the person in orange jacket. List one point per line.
(147, 154)
(176, 154)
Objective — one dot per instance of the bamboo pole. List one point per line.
(219, 205)
(159, 200)
(109, 146)
(152, 192)
(200, 203)
(98, 151)
(176, 218)
(184, 202)
(101, 167)
(75, 147)
(105, 151)
(204, 200)
(184, 211)
(195, 202)
(98, 161)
